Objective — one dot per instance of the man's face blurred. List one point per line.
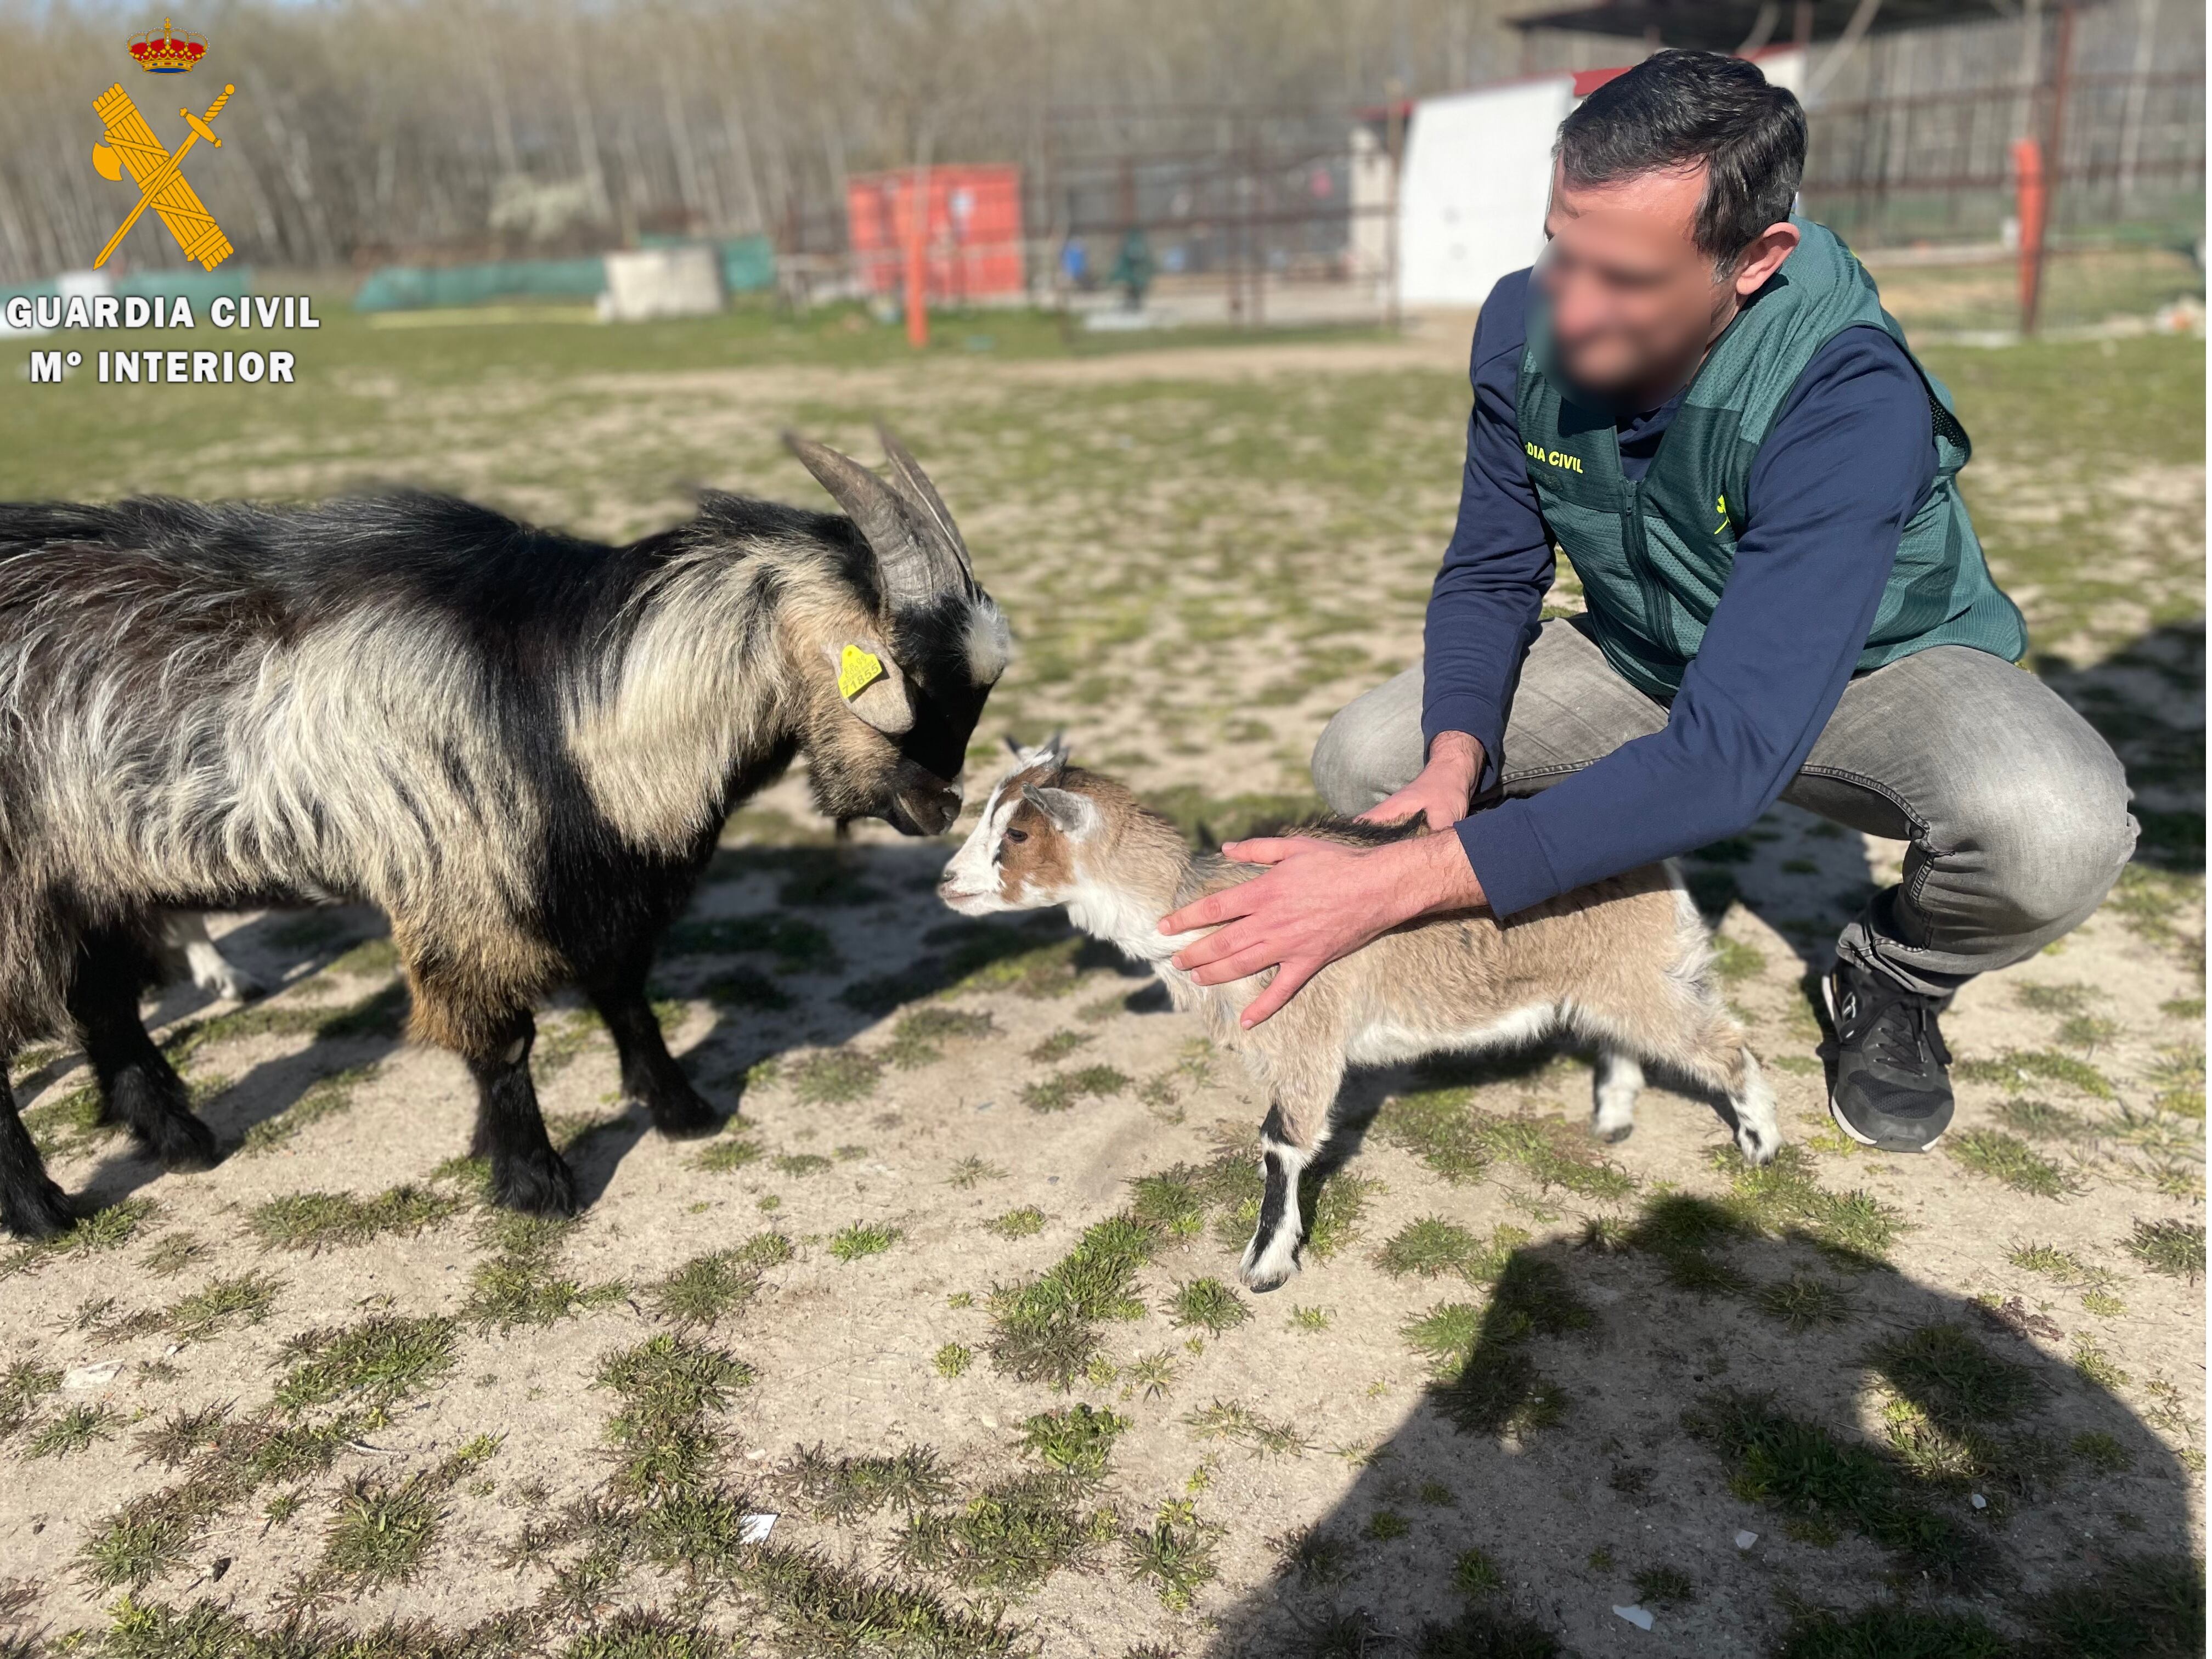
(1633, 297)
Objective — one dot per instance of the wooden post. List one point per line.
(2048, 167)
(2029, 189)
(916, 196)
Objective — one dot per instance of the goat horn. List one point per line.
(923, 494)
(913, 570)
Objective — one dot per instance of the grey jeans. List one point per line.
(2015, 810)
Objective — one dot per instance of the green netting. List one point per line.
(415, 288)
(748, 266)
(748, 262)
(197, 286)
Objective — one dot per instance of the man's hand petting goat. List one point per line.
(1319, 900)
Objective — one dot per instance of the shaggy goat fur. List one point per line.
(518, 744)
(1623, 963)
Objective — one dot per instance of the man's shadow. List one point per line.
(1760, 1442)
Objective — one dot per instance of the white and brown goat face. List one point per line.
(1026, 851)
(898, 685)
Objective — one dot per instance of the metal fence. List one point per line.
(1912, 133)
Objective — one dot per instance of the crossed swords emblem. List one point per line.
(131, 144)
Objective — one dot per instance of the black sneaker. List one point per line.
(1892, 1086)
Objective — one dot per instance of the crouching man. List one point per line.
(1701, 401)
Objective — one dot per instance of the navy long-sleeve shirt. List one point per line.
(1849, 458)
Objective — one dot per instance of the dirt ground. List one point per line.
(953, 1298)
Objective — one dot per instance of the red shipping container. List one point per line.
(973, 242)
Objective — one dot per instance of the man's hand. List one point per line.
(1440, 795)
(1319, 901)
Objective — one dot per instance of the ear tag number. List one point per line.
(857, 670)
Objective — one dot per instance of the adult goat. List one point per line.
(520, 745)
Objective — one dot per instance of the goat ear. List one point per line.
(914, 567)
(1072, 814)
(872, 685)
(923, 494)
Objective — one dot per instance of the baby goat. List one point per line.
(1623, 962)
(519, 745)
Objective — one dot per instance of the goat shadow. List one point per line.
(788, 944)
(1598, 1435)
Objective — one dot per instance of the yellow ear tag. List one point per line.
(857, 670)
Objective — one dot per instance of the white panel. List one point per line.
(1477, 180)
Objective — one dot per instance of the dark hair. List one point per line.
(1676, 109)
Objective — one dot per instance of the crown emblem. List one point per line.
(167, 52)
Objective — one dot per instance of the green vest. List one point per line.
(1653, 555)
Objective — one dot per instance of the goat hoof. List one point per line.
(538, 1184)
(1265, 1270)
(40, 1210)
(1758, 1148)
(685, 1116)
(183, 1143)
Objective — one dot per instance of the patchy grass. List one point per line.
(315, 1222)
(863, 1239)
(2174, 1248)
(1803, 1302)
(1208, 1305)
(710, 1288)
(1059, 1046)
(1821, 1483)
(381, 1531)
(846, 1488)
(1009, 1537)
(380, 1361)
(1664, 1587)
(835, 1077)
(668, 1385)
(2008, 1159)
(1952, 1376)
(109, 1228)
(919, 1038)
(2021, 1069)
(1492, 1386)
(1242, 1426)
(1075, 1441)
(1853, 1228)
(953, 1359)
(1431, 1247)
(1226, 1190)
(1176, 1555)
(22, 1385)
(729, 1152)
(2041, 1120)
(1024, 1222)
(1460, 1142)
(1062, 1090)
(72, 1430)
(243, 1299)
(1047, 1329)
(520, 1283)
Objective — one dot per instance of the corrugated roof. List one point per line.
(1724, 25)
